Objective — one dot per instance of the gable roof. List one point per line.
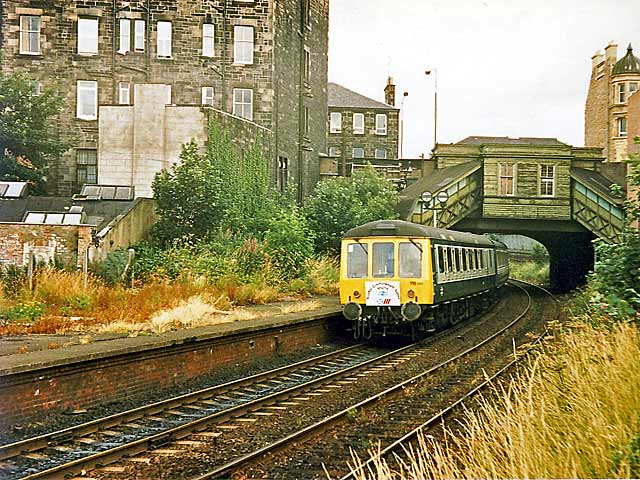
(479, 140)
(339, 96)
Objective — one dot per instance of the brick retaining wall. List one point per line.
(88, 384)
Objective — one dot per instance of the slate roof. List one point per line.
(478, 140)
(341, 97)
(596, 182)
(98, 213)
(432, 182)
(627, 64)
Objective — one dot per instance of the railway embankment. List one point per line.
(78, 375)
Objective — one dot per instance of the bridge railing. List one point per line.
(596, 213)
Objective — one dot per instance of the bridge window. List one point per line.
(507, 179)
(357, 260)
(547, 180)
(410, 260)
(383, 259)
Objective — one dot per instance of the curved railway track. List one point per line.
(249, 408)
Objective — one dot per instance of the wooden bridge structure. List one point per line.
(560, 195)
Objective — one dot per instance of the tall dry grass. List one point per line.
(574, 412)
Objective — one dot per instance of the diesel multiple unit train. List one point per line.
(403, 279)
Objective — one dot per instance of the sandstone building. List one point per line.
(361, 130)
(263, 61)
(612, 88)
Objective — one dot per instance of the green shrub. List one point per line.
(112, 268)
(29, 311)
(344, 203)
(289, 242)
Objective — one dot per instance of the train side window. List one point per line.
(357, 260)
(465, 264)
(383, 260)
(474, 259)
(410, 260)
(457, 255)
(449, 260)
(441, 266)
(481, 259)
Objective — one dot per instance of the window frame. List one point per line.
(360, 247)
(208, 40)
(336, 152)
(375, 246)
(26, 32)
(381, 129)
(621, 92)
(240, 45)
(353, 153)
(91, 49)
(416, 245)
(360, 129)
(84, 166)
(121, 100)
(242, 104)
(513, 176)
(545, 180)
(165, 28)
(380, 157)
(84, 85)
(124, 35)
(139, 35)
(204, 91)
(335, 127)
(621, 126)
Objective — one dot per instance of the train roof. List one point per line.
(400, 228)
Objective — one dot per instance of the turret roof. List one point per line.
(627, 64)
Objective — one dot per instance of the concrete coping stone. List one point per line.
(112, 345)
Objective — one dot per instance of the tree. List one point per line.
(28, 140)
(344, 203)
(211, 190)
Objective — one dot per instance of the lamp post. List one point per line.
(435, 104)
(430, 202)
(404, 96)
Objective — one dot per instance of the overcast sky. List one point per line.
(505, 67)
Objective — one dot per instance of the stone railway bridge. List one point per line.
(559, 195)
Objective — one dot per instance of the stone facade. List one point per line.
(344, 139)
(281, 65)
(607, 118)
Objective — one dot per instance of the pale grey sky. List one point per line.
(505, 67)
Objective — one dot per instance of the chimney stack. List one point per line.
(390, 93)
(611, 51)
(597, 59)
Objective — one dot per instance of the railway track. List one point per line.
(225, 416)
(77, 449)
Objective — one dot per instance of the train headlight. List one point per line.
(411, 294)
(356, 294)
(352, 311)
(411, 311)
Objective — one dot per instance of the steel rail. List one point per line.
(43, 441)
(446, 411)
(340, 416)
(176, 433)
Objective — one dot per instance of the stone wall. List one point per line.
(65, 244)
(276, 65)
(634, 132)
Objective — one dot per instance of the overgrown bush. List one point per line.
(289, 242)
(344, 203)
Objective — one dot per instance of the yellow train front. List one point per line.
(400, 278)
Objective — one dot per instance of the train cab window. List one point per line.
(383, 260)
(441, 267)
(410, 260)
(357, 260)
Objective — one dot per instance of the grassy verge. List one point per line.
(529, 271)
(60, 301)
(572, 412)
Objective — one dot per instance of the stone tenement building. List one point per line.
(361, 129)
(612, 89)
(261, 60)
